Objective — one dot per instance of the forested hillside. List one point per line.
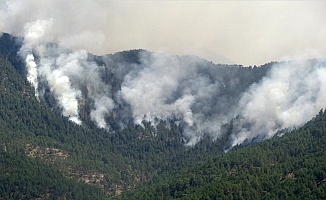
(46, 154)
(127, 88)
(26, 178)
(112, 161)
(288, 167)
(24, 130)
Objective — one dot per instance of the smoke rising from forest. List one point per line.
(163, 87)
(169, 87)
(288, 97)
(64, 72)
(185, 89)
(32, 73)
(188, 90)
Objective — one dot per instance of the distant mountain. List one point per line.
(208, 55)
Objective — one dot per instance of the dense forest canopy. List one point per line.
(200, 97)
(288, 167)
(135, 118)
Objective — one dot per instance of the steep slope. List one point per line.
(288, 167)
(200, 97)
(134, 86)
(26, 178)
(23, 177)
(143, 132)
(113, 161)
(31, 129)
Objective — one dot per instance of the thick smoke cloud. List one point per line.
(64, 73)
(287, 98)
(33, 33)
(185, 89)
(182, 88)
(245, 32)
(67, 73)
(58, 82)
(55, 72)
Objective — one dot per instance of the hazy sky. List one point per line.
(245, 32)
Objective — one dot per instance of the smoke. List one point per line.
(33, 33)
(262, 32)
(103, 106)
(181, 88)
(288, 97)
(58, 82)
(60, 85)
(64, 73)
(32, 73)
(189, 90)
(67, 73)
(194, 93)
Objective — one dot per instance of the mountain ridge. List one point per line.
(118, 159)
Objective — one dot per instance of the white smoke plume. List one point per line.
(103, 106)
(63, 71)
(148, 90)
(60, 69)
(66, 73)
(184, 89)
(287, 98)
(59, 83)
(33, 33)
(170, 87)
(32, 73)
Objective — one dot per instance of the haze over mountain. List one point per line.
(44, 155)
(199, 96)
(247, 33)
(118, 119)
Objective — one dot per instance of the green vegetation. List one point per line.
(113, 161)
(288, 167)
(44, 155)
(22, 124)
(22, 177)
